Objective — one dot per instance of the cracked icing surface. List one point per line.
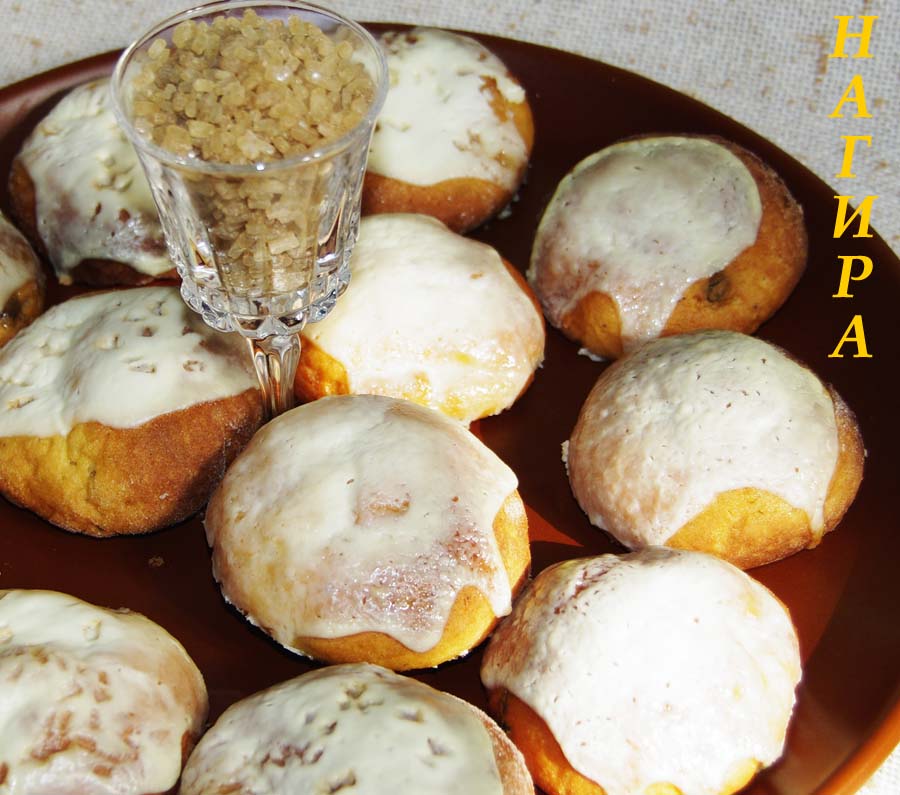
(427, 306)
(685, 418)
(661, 666)
(641, 221)
(92, 198)
(93, 700)
(356, 514)
(439, 105)
(350, 728)
(119, 358)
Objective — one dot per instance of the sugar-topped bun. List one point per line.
(369, 529)
(79, 191)
(662, 235)
(21, 282)
(455, 133)
(715, 441)
(662, 671)
(430, 316)
(119, 411)
(358, 727)
(92, 700)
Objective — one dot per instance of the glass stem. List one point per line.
(276, 359)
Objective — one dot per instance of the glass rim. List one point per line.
(317, 153)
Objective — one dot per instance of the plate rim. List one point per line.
(882, 738)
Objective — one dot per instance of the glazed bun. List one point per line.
(664, 235)
(455, 133)
(430, 316)
(662, 671)
(92, 700)
(368, 529)
(21, 282)
(715, 441)
(358, 727)
(119, 412)
(78, 190)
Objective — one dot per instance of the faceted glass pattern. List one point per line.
(260, 278)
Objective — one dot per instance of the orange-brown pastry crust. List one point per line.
(462, 203)
(27, 302)
(549, 766)
(739, 297)
(469, 623)
(94, 272)
(319, 374)
(23, 306)
(105, 481)
(760, 279)
(545, 759)
(111, 273)
(750, 527)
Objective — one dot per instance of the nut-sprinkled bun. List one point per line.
(119, 411)
(678, 676)
(21, 282)
(368, 529)
(358, 727)
(663, 235)
(715, 441)
(92, 700)
(430, 316)
(80, 193)
(455, 133)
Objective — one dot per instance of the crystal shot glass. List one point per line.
(263, 243)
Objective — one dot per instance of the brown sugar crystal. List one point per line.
(249, 89)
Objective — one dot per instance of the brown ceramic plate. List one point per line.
(844, 596)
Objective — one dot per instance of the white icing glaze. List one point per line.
(429, 309)
(359, 514)
(18, 264)
(93, 700)
(685, 418)
(641, 221)
(86, 175)
(438, 106)
(119, 358)
(375, 731)
(661, 666)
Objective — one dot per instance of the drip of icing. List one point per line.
(641, 221)
(431, 310)
(358, 725)
(688, 417)
(380, 513)
(439, 105)
(661, 666)
(92, 198)
(18, 264)
(93, 700)
(118, 358)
